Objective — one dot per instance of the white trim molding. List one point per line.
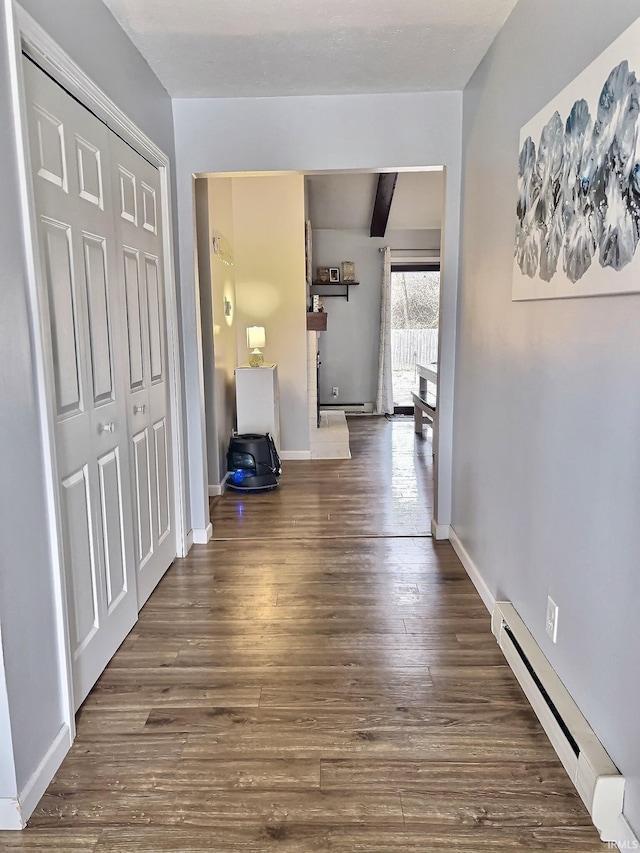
(189, 542)
(473, 571)
(17, 21)
(626, 839)
(16, 811)
(45, 771)
(10, 814)
(200, 536)
(9, 806)
(440, 532)
(48, 54)
(214, 490)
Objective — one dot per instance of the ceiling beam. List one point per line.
(382, 204)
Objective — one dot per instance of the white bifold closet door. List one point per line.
(96, 202)
(136, 192)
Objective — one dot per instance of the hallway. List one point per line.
(320, 678)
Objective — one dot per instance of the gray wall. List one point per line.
(349, 348)
(547, 419)
(90, 35)
(205, 289)
(270, 134)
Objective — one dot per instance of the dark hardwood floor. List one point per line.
(320, 678)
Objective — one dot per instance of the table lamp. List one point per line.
(255, 339)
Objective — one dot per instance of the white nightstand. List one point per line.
(257, 400)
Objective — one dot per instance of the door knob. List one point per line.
(110, 427)
(139, 410)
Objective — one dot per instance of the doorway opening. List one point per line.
(335, 207)
(415, 312)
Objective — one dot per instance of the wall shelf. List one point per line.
(316, 321)
(331, 285)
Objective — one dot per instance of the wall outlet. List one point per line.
(334, 391)
(552, 619)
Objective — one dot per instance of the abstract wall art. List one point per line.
(578, 208)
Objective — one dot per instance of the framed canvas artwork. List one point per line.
(578, 209)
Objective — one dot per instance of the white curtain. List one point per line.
(384, 397)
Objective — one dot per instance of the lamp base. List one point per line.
(256, 359)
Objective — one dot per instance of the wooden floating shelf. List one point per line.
(316, 321)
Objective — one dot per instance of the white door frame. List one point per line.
(26, 35)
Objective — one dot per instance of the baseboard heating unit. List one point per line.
(595, 776)
(349, 408)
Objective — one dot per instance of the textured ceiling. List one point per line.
(247, 48)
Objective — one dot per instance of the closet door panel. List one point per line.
(112, 520)
(100, 349)
(85, 322)
(137, 185)
(142, 476)
(83, 572)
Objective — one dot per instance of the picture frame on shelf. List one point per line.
(323, 275)
(348, 271)
(334, 275)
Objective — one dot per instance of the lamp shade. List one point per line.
(255, 337)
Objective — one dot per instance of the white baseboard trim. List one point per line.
(39, 780)
(472, 570)
(189, 542)
(214, 491)
(201, 536)
(292, 455)
(439, 531)
(626, 837)
(15, 812)
(10, 813)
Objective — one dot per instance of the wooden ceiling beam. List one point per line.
(382, 203)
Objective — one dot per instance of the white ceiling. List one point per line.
(246, 48)
(345, 201)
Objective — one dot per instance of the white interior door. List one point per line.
(136, 190)
(70, 159)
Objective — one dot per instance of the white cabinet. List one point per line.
(257, 400)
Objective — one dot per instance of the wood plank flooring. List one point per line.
(385, 489)
(324, 686)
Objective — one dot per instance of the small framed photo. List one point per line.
(334, 275)
(348, 271)
(323, 274)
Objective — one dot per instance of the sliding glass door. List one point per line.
(415, 307)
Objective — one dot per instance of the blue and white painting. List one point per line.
(578, 209)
